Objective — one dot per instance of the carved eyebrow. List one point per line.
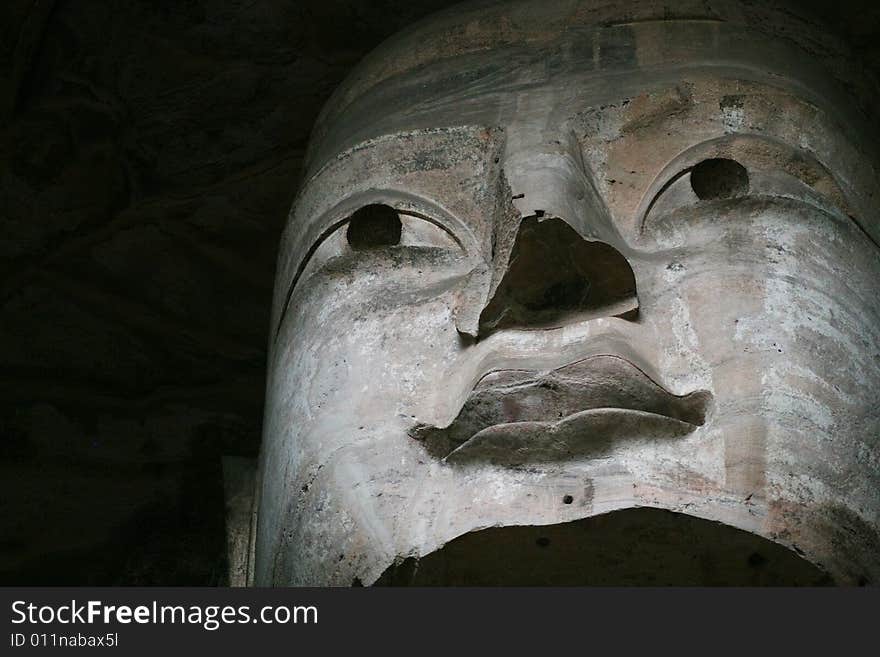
(332, 228)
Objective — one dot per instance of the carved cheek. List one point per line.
(367, 349)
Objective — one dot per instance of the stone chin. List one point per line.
(580, 294)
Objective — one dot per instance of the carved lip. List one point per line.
(580, 410)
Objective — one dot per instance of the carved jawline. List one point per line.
(581, 410)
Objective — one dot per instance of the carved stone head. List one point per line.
(581, 292)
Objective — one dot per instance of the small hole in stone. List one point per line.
(374, 226)
(542, 542)
(719, 178)
(568, 499)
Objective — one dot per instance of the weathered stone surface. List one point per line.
(150, 154)
(421, 391)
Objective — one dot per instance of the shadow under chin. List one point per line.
(632, 547)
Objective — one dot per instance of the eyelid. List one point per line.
(762, 156)
(415, 233)
(659, 195)
(419, 216)
(405, 204)
(678, 193)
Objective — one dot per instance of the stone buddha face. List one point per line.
(580, 293)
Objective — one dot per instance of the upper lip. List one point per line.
(577, 410)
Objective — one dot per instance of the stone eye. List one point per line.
(710, 179)
(719, 178)
(369, 233)
(374, 226)
(378, 226)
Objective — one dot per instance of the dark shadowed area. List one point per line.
(633, 547)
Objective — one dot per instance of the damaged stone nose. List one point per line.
(555, 276)
(561, 259)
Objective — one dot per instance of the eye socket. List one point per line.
(374, 226)
(719, 178)
(374, 231)
(689, 185)
(369, 230)
(712, 179)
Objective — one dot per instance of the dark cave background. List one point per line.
(150, 153)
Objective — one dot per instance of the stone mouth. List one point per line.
(580, 410)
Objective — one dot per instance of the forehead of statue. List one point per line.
(536, 64)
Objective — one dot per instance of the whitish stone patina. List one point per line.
(557, 260)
